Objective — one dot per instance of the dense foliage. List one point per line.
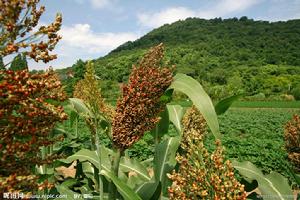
(19, 63)
(227, 56)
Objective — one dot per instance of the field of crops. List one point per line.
(253, 134)
(257, 135)
(267, 104)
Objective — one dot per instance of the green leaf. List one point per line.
(164, 158)
(80, 107)
(132, 165)
(73, 117)
(223, 105)
(126, 192)
(176, 113)
(91, 156)
(149, 190)
(273, 185)
(167, 97)
(68, 194)
(162, 127)
(200, 99)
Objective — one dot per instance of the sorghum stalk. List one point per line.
(98, 147)
(113, 193)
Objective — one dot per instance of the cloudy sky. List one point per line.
(92, 28)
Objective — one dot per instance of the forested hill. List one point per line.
(226, 55)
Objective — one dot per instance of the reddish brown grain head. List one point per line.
(138, 109)
(26, 119)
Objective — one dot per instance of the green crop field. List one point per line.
(267, 104)
(253, 134)
(256, 135)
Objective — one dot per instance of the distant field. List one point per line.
(253, 104)
(267, 104)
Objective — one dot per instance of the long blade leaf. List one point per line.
(126, 192)
(200, 99)
(273, 184)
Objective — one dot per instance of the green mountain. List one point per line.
(227, 56)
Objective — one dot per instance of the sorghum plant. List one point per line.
(27, 115)
(202, 175)
(139, 107)
(292, 141)
(88, 90)
(18, 22)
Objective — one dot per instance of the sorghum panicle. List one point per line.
(202, 175)
(138, 109)
(292, 141)
(26, 119)
(89, 91)
(18, 18)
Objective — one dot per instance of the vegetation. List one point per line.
(292, 139)
(184, 162)
(19, 63)
(27, 138)
(227, 56)
(24, 98)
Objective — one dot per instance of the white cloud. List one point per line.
(166, 16)
(169, 15)
(80, 41)
(81, 36)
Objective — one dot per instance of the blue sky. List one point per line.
(92, 28)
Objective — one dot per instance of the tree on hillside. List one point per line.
(79, 69)
(19, 63)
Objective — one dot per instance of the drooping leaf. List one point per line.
(131, 165)
(126, 192)
(273, 184)
(200, 99)
(164, 158)
(91, 156)
(133, 180)
(176, 113)
(223, 105)
(80, 107)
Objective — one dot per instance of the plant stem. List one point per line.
(98, 147)
(115, 170)
(76, 127)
